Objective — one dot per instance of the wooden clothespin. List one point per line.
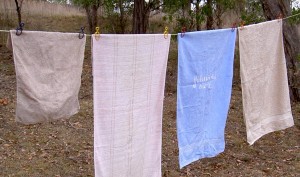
(242, 25)
(183, 30)
(233, 26)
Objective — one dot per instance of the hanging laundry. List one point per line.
(129, 79)
(8, 42)
(205, 72)
(266, 101)
(48, 71)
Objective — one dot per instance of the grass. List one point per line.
(36, 7)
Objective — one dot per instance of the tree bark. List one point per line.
(219, 12)
(89, 18)
(272, 9)
(92, 15)
(198, 15)
(138, 17)
(210, 18)
(122, 18)
(95, 8)
(186, 7)
(19, 7)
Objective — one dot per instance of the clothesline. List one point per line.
(128, 91)
(7, 31)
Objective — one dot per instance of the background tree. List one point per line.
(138, 20)
(19, 8)
(209, 13)
(222, 6)
(118, 13)
(91, 8)
(272, 10)
(251, 11)
(141, 14)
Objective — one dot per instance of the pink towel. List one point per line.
(129, 78)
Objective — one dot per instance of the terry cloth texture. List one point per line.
(129, 79)
(48, 71)
(205, 71)
(266, 101)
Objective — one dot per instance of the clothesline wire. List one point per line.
(7, 31)
(291, 16)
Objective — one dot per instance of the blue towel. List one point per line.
(205, 71)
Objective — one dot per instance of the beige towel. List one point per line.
(8, 42)
(48, 71)
(266, 100)
(129, 78)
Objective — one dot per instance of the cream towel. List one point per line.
(266, 100)
(8, 42)
(129, 78)
(48, 70)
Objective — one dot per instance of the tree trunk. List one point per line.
(19, 6)
(210, 18)
(272, 9)
(146, 16)
(219, 12)
(186, 7)
(138, 17)
(92, 16)
(89, 18)
(198, 15)
(122, 18)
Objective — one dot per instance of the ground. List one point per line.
(65, 148)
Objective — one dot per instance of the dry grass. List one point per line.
(65, 148)
(40, 16)
(36, 7)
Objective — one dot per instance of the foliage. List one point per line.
(252, 12)
(197, 12)
(295, 10)
(117, 12)
(86, 3)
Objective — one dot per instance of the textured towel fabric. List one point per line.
(129, 78)
(8, 42)
(266, 101)
(48, 70)
(205, 71)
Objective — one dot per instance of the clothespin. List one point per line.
(81, 33)
(279, 17)
(183, 30)
(19, 29)
(233, 27)
(242, 25)
(166, 32)
(97, 33)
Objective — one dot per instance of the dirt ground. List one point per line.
(65, 148)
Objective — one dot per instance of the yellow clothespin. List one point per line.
(97, 33)
(166, 32)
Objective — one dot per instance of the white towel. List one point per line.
(266, 100)
(48, 70)
(129, 78)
